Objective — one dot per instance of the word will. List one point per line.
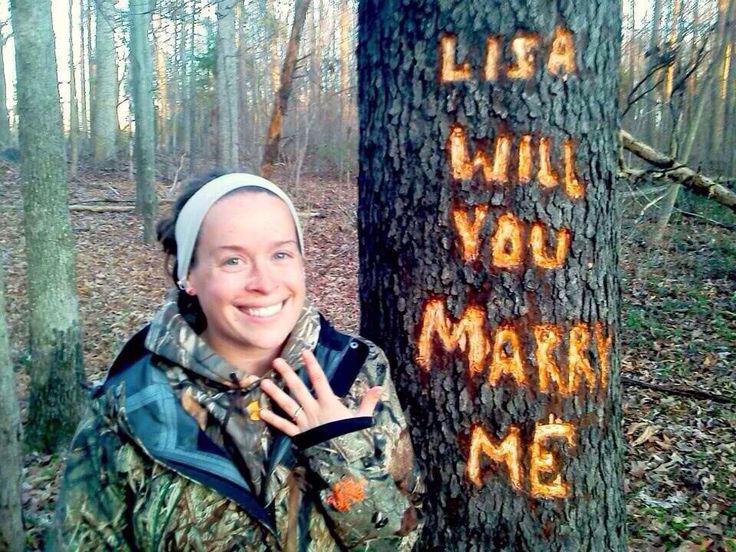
(494, 168)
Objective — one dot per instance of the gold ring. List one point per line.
(296, 413)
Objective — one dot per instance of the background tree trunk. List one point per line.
(12, 537)
(504, 354)
(73, 113)
(141, 72)
(226, 84)
(104, 95)
(83, 80)
(5, 138)
(56, 396)
(281, 98)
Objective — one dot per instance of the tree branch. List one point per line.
(682, 391)
(674, 170)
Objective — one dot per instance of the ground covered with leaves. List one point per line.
(679, 331)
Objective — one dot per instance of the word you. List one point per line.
(507, 248)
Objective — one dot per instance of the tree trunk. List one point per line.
(161, 109)
(73, 114)
(12, 538)
(56, 395)
(281, 98)
(83, 125)
(91, 69)
(105, 96)
(192, 92)
(141, 72)
(488, 261)
(651, 131)
(226, 85)
(5, 138)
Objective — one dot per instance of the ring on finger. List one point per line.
(296, 413)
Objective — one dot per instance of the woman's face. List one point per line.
(248, 276)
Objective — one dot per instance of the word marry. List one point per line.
(501, 354)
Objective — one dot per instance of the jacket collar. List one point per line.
(172, 338)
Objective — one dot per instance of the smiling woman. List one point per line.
(239, 418)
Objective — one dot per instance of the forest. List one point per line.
(530, 205)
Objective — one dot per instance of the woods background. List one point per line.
(150, 92)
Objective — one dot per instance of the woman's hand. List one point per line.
(307, 410)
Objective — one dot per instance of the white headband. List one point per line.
(194, 210)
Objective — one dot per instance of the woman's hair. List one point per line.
(189, 306)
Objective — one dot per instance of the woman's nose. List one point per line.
(261, 278)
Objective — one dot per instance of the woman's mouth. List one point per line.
(263, 312)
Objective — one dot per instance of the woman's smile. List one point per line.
(269, 311)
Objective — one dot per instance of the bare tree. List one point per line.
(12, 538)
(141, 73)
(281, 98)
(56, 395)
(4, 122)
(105, 94)
(226, 83)
(73, 112)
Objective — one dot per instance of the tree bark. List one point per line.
(226, 85)
(56, 396)
(141, 72)
(105, 95)
(488, 261)
(12, 537)
(281, 98)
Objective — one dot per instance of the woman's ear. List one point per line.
(186, 287)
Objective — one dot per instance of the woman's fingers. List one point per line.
(302, 411)
(295, 384)
(317, 376)
(282, 424)
(281, 398)
(369, 401)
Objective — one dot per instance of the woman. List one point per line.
(239, 419)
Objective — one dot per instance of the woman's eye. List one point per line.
(231, 261)
(281, 255)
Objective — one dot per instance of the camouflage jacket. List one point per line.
(167, 459)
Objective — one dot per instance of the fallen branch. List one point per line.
(707, 220)
(131, 208)
(674, 170)
(103, 208)
(682, 391)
